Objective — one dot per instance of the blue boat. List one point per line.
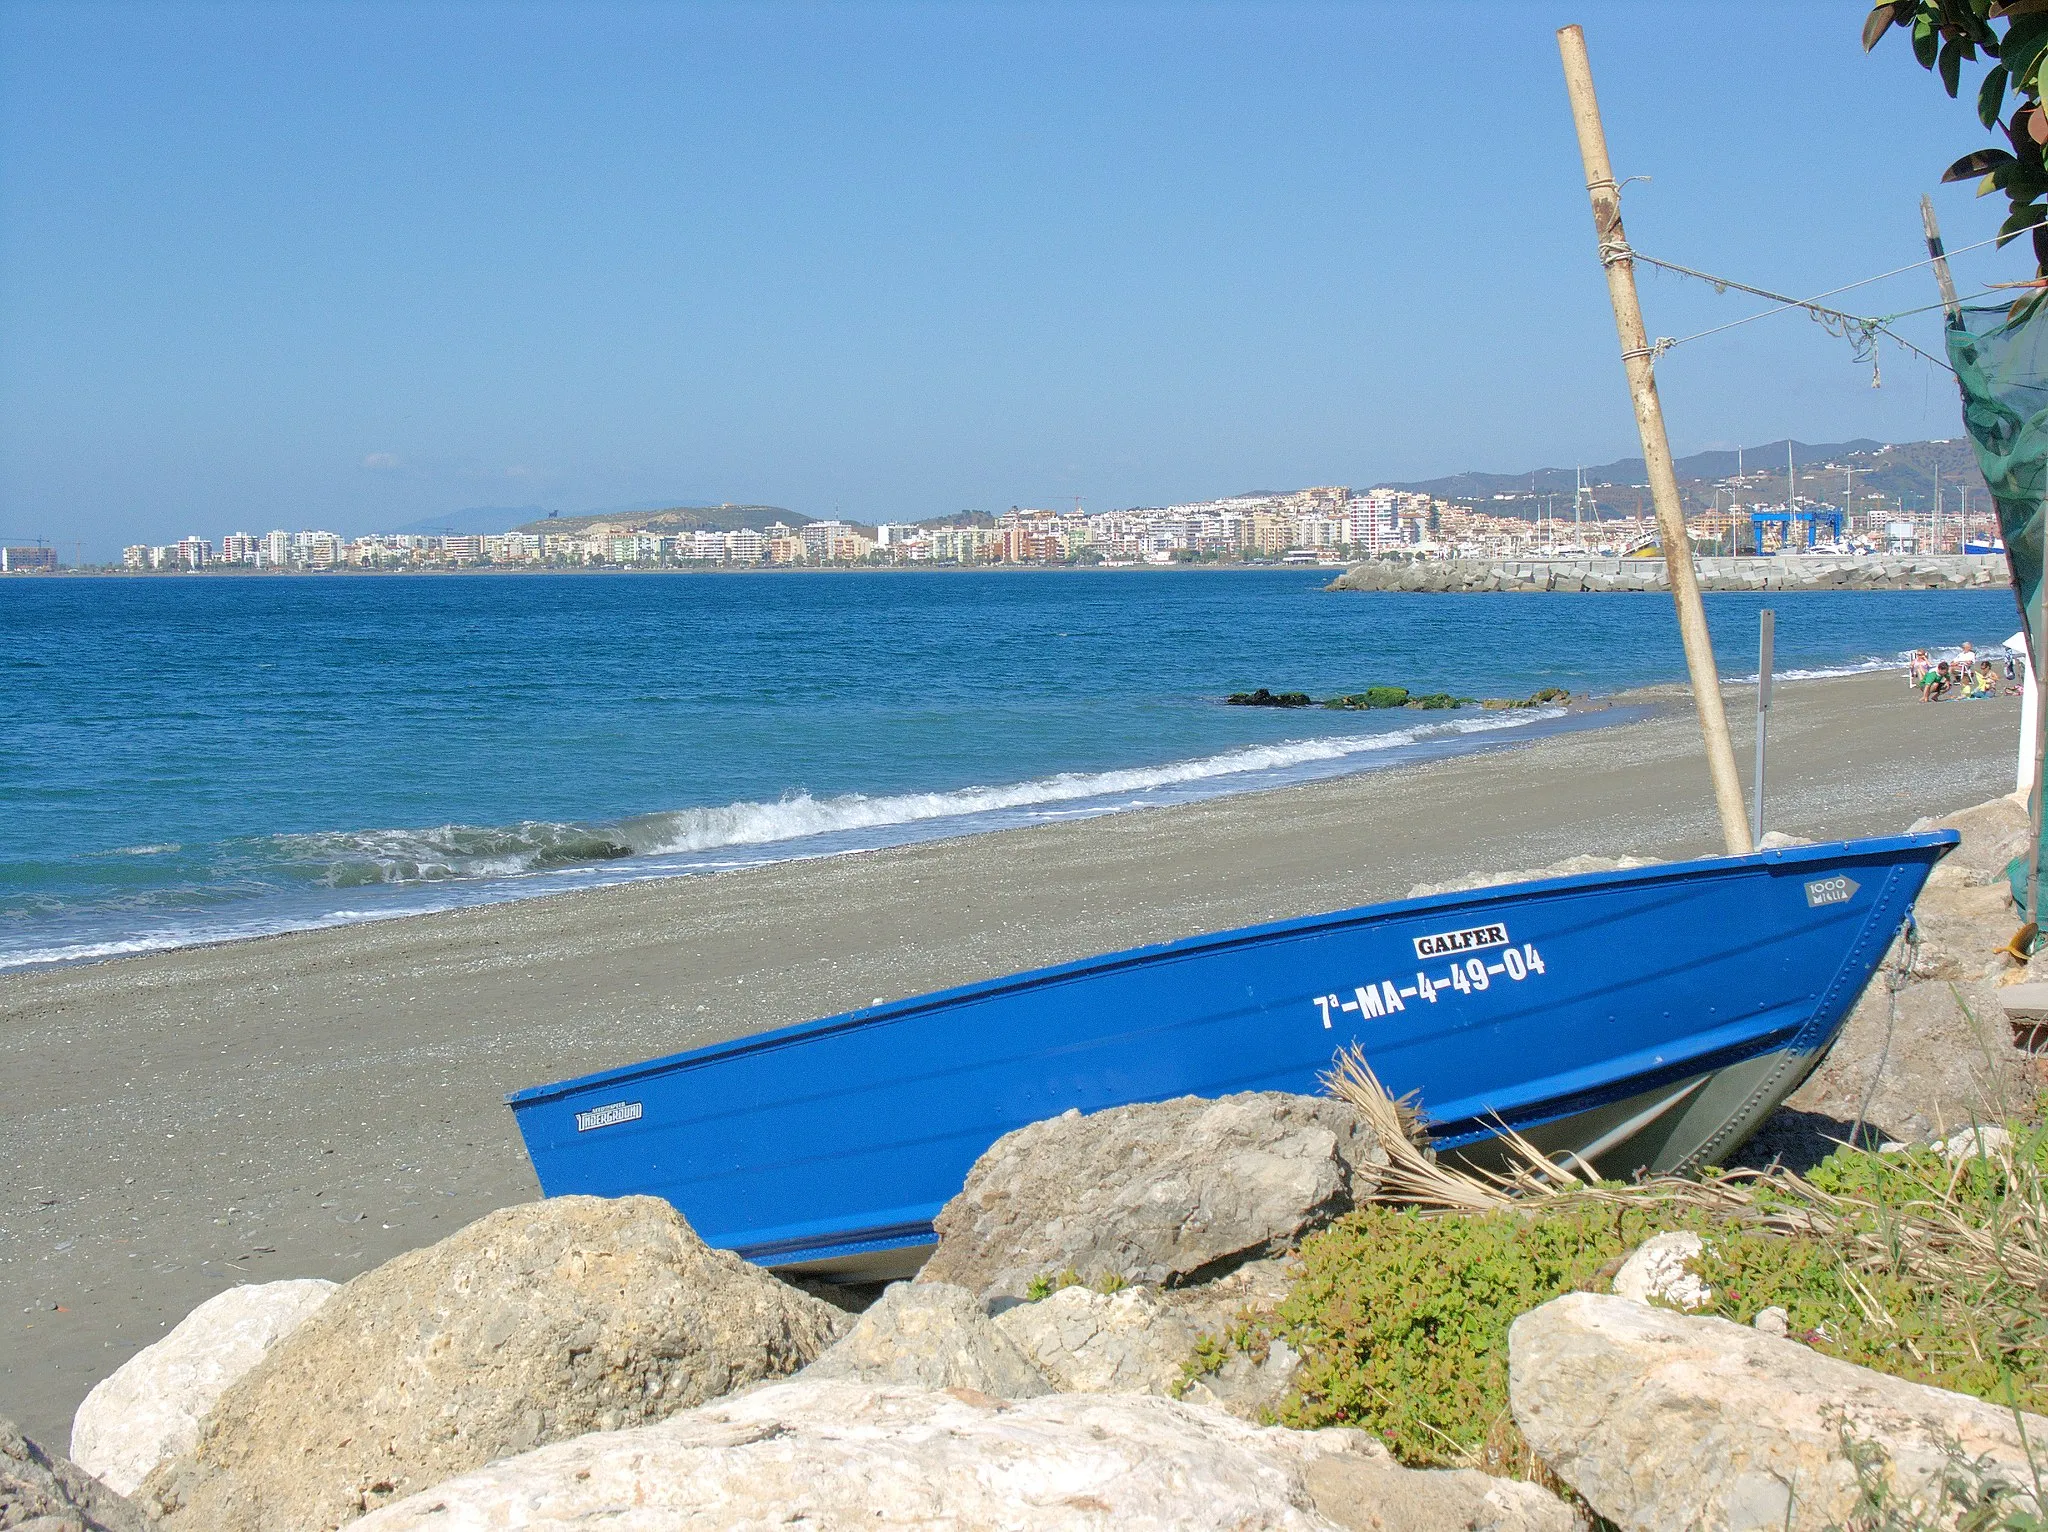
(1647, 1019)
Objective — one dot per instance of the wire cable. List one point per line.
(1860, 331)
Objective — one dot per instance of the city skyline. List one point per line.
(1327, 524)
(378, 263)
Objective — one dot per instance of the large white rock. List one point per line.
(1987, 1143)
(833, 1455)
(1164, 1193)
(930, 1335)
(150, 1408)
(1088, 1343)
(1656, 1272)
(535, 1324)
(1668, 1422)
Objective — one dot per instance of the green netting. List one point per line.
(2001, 360)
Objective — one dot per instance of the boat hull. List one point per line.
(1647, 1019)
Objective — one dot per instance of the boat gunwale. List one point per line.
(1649, 875)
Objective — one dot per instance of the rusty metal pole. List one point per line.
(1642, 388)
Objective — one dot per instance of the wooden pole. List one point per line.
(2034, 805)
(1766, 644)
(1939, 256)
(1642, 388)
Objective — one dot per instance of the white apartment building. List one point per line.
(316, 550)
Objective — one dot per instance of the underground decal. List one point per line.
(607, 1116)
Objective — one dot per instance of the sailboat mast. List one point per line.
(1791, 497)
(1605, 196)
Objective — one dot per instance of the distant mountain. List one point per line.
(477, 518)
(675, 518)
(1901, 470)
(1629, 471)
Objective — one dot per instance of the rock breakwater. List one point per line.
(1955, 571)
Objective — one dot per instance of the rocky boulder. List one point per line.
(832, 1454)
(1667, 1422)
(930, 1335)
(1945, 1060)
(1657, 1271)
(149, 1409)
(1159, 1194)
(534, 1324)
(1095, 1343)
(1961, 930)
(41, 1493)
(1993, 834)
(1251, 1383)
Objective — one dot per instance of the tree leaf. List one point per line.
(1880, 20)
(2020, 220)
(2022, 49)
(1925, 40)
(1951, 65)
(2040, 250)
(1976, 163)
(1991, 95)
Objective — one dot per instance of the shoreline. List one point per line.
(1511, 574)
(104, 572)
(1717, 573)
(313, 1103)
(1439, 737)
(1430, 736)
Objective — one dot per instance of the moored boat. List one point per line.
(1646, 1019)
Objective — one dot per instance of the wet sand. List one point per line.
(313, 1104)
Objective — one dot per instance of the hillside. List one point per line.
(679, 518)
(1893, 471)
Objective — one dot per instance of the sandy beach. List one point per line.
(313, 1104)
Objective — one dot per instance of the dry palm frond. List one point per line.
(1413, 1174)
(1936, 1233)
(1416, 1176)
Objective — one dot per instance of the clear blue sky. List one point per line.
(354, 265)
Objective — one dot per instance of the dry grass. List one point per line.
(1971, 1228)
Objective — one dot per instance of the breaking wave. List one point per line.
(358, 858)
(261, 885)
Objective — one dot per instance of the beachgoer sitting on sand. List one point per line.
(1982, 682)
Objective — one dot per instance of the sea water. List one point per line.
(190, 759)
